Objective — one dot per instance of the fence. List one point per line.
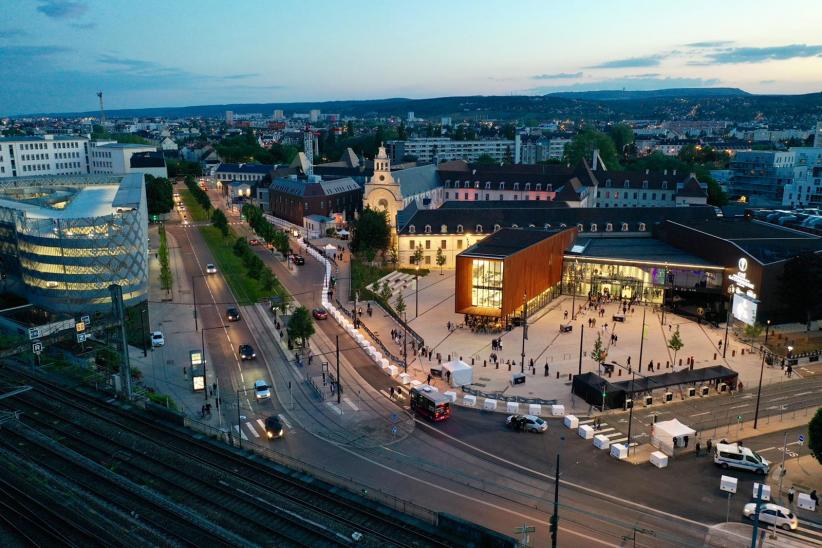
(319, 472)
(501, 397)
(387, 353)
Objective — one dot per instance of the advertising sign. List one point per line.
(744, 308)
(198, 382)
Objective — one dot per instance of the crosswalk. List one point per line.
(808, 533)
(613, 435)
(256, 428)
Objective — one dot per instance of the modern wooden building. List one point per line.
(497, 276)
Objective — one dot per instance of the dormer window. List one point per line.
(467, 184)
(514, 226)
(487, 186)
(502, 186)
(527, 187)
(642, 227)
(664, 185)
(593, 227)
(478, 229)
(532, 226)
(496, 227)
(627, 184)
(459, 229)
(563, 225)
(580, 227)
(547, 226)
(608, 182)
(412, 229)
(624, 227)
(428, 229)
(516, 186)
(644, 184)
(539, 187)
(476, 184)
(609, 227)
(444, 229)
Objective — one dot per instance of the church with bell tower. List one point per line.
(382, 192)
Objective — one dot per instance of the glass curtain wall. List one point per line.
(486, 283)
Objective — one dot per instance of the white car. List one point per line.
(157, 339)
(772, 514)
(211, 269)
(526, 423)
(261, 390)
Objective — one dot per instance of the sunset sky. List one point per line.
(55, 54)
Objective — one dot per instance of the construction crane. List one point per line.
(102, 112)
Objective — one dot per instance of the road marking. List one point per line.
(285, 422)
(588, 490)
(261, 423)
(780, 398)
(334, 408)
(739, 406)
(351, 403)
(384, 393)
(700, 414)
(253, 430)
(620, 440)
(242, 434)
(803, 393)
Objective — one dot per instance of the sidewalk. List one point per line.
(739, 534)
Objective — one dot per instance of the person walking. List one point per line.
(697, 447)
(709, 445)
(791, 494)
(428, 380)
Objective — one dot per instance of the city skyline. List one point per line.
(58, 53)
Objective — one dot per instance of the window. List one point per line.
(608, 183)
(644, 195)
(410, 244)
(466, 195)
(539, 187)
(427, 244)
(593, 227)
(634, 195)
(609, 227)
(547, 226)
(664, 185)
(444, 229)
(479, 228)
(514, 226)
(580, 228)
(644, 184)
(527, 187)
(486, 283)
(427, 259)
(459, 244)
(516, 186)
(624, 227)
(443, 244)
(446, 195)
(642, 227)
(428, 229)
(626, 184)
(412, 229)
(459, 229)
(487, 186)
(487, 196)
(496, 227)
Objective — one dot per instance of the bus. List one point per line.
(430, 404)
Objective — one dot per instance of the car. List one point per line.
(526, 423)
(261, 390)
(274, 427)
(734, 455)
(772, 514)
(253, 241)
(181, 207)
(157, 339)
(247, 352)
(299, 260)
(320, 313)
(232, 314)
(211, 269)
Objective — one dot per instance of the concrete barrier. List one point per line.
(534, 409)
(585, 432)
(512, 407)
(451, 395)
(601, 442)
(557, 410)
(392, 370)
(571, 422)
(619, 451)
(659, 459)
(469, 400)
(490, 404)
(405, 378)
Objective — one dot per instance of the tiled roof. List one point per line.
(263, 169)
(506, 242)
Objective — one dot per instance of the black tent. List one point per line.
(590, 387)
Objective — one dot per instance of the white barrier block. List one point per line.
(415, 383)
(571, 422)
(469, 400)
(534, 409)
(490, 404)
(512, 407)
(659, 459)
(619, 451)
(601, 442)
(405, 378)
(557, 410)
(392, 370)
(806, 502)
(451, 395)
(766, 491)
(585, 432)
(385, 369)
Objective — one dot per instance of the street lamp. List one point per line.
(759, 390)
(194, 293)
(202, 349)
(574, 292)
(417, 292)
(767, 328)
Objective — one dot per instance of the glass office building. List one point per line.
(64, 240)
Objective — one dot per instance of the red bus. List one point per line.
(430, 404)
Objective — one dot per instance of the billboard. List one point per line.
(744, 308)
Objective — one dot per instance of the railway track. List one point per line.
(253, 490)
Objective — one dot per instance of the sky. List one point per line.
(56, 54)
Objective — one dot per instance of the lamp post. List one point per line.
(555, 516)
(524, 330)
(759, 390)
(767, 329)
(574, 293)
(194, 293)
(202, 350)
(633, 376)
(417, 292)
(727, 326)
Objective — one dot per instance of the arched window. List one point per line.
(444, 229)
(609, 227)
(459, 229)
(642, 227)
(516, 186)
(624, 227)
(527, 187)
(644, 184)
(487, 186)
(532, 226)
(502, 186)
(479, 228)
(412, 229)
(608, 182)
(547, 226)
(496, 227)
(627, 183)
(580, 227)
(593, 227)
(563, 225)
(428, 229)
(664, 185)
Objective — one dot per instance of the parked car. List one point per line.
(274, 427)
(299, 260)
(526, 423)
(261, 390)
(320, 313)
(247, 352)
(232, 314)
(733, 455)
(254, 241)
(211, 269)
(772, 514)
(157, 339)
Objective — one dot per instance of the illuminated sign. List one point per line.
(198, 382)
(196, 358)
(740, 278)
(744, 308)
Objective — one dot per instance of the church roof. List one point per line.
(417, 180)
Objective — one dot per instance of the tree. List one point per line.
(801, 290)
(402, 133)
(385, 292)
(220, 222)
(416, 258)
(159, 195)
(753, 331)
(815, 436)
(598, 353)
(300, 326)
(582, 147)
(267, 279)
(371, 231)
(440, 259)
(349, 128)
(485, 160)
(675, 343)
(622, 136)
(399, 304)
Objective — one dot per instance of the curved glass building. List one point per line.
(64, 240)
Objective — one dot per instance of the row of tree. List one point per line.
(245, 148)
(255, 267)
(199, 194)
(159, 195)
(266, 231)
(165, 269)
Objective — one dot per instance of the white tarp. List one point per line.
(461, 372)
(667, 435)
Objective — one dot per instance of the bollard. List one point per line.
(485, 363)
(569, 376)
(714, 355)
(557, 374)
(509, 366)
(533, 371)
(680, 362)
(449, 357)
(609, 374)
(460, 358)
(497, 364)
(733, 353)
(742, 352)
(472, 361)
(619, 373)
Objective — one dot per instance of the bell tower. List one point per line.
(382, 191)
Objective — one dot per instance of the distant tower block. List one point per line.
(229, 117)
(308, 148)
(102, 111)
(817, 137)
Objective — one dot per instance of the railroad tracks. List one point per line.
(209, 489)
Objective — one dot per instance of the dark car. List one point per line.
(247, 352)
(299, 260)
(232, 314)
(320, 313)
(274, 428)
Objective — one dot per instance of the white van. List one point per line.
(731, 455)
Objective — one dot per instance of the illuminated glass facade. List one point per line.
(64, 240)
(486, 283)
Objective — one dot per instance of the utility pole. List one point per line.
(417, 292)
(727, 326)
(524, 330)
(581, 332)
(633, 376)
(119, 316)
(782, 466)
(574, 294)
(194, 293)
(239, 425)
(339, 384)
(555, 517)
(756, 516)
(404, 342)
(759, 390)
(356, 315)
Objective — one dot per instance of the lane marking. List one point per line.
(700, 414)
(242, 434)
(334, 408)
(261, 423)
(285, 421)
(739, 406)
(253, 430)
(350, 403)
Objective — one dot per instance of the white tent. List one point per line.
(461, 372)
(668, 435)
(330, 250)
(343, 232)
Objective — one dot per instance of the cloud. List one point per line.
(709, 44)
(62, 9)
(12, 33)
(632, 62)
(84, 26)
(240, 76)
(760, 55)
(767, 81)
(636, 82)
(31, 52)
(557, 76)
(125, 62)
